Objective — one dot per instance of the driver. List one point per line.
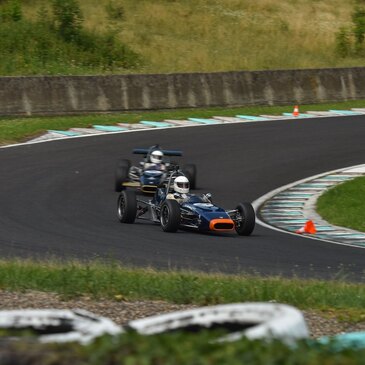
(156, 161)
(181, 189)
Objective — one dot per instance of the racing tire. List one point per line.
(246, 224)
(127, 206)
(124, 163)
(121, 175)
(170, 216)
(190, 172)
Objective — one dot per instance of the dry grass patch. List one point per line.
(201, 35)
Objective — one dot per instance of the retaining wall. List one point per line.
(81, 94)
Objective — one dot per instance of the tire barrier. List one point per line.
(57, 325)
(266, 321)
(352, 341)
(251, 320)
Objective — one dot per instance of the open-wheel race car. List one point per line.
(154, 170)
(173, 207)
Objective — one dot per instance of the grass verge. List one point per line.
(20, 129)
(179, 348)
(112, 281)
(344, 205)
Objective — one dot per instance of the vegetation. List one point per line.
(55, 42)
(20, 129)
(91, 37)
(344, 205)
(113, 281)
(109, 36)
(350, 39)
(179, 348)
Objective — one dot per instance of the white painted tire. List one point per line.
(258, 320)
(62, 325)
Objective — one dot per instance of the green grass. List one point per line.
(179, 348)
(19, 129)
(170, 36)
(206, 36)
(344, 205)
(110, 280)
(56, 43)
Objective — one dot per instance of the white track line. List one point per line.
(260, 202)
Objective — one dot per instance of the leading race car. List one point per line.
(173, 207)
(153, 171)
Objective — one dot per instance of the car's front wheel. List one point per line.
(245, 219)
(127, 206)
(170, 216)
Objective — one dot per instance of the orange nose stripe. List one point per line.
(221, 224)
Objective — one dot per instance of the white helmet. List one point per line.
(181, 185)
(156, 156)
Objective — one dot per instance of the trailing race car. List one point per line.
(174, 207)
(153, 171)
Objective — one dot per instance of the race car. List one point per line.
(192, 212)
(153, 171)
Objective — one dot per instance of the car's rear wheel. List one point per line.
(170, 216)
(124, 163)
(190, 172)
(121, 175)
(127, 206)
(245, 220)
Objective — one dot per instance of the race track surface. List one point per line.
(57, 198)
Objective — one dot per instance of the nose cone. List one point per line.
(221, 224)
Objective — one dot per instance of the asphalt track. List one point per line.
(57, 198)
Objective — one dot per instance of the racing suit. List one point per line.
(180, 198)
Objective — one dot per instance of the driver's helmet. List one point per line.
(181, 185)
(156, 156)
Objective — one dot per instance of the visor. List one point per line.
(157, 157)
(182, 185)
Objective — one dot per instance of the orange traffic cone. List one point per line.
(309, 227)
(296, 111)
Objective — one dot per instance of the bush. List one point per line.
(58, 44)
(343, 42)
(358, 19)
(115, 11)
(11, 11)
(68, 18)
(177, 348)
(350, 42)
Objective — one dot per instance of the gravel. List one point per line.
(121, 311)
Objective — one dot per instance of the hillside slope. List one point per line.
(221, 35)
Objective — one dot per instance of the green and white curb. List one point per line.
(288, 208)
(189, 122)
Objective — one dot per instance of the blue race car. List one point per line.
(153, 171)
(193, 211)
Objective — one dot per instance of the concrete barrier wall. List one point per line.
(81, 94)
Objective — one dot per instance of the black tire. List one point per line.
(190, 172)
(121, 175)
(127, 206)
(170, 216)
(124, 163)
(246, 224)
